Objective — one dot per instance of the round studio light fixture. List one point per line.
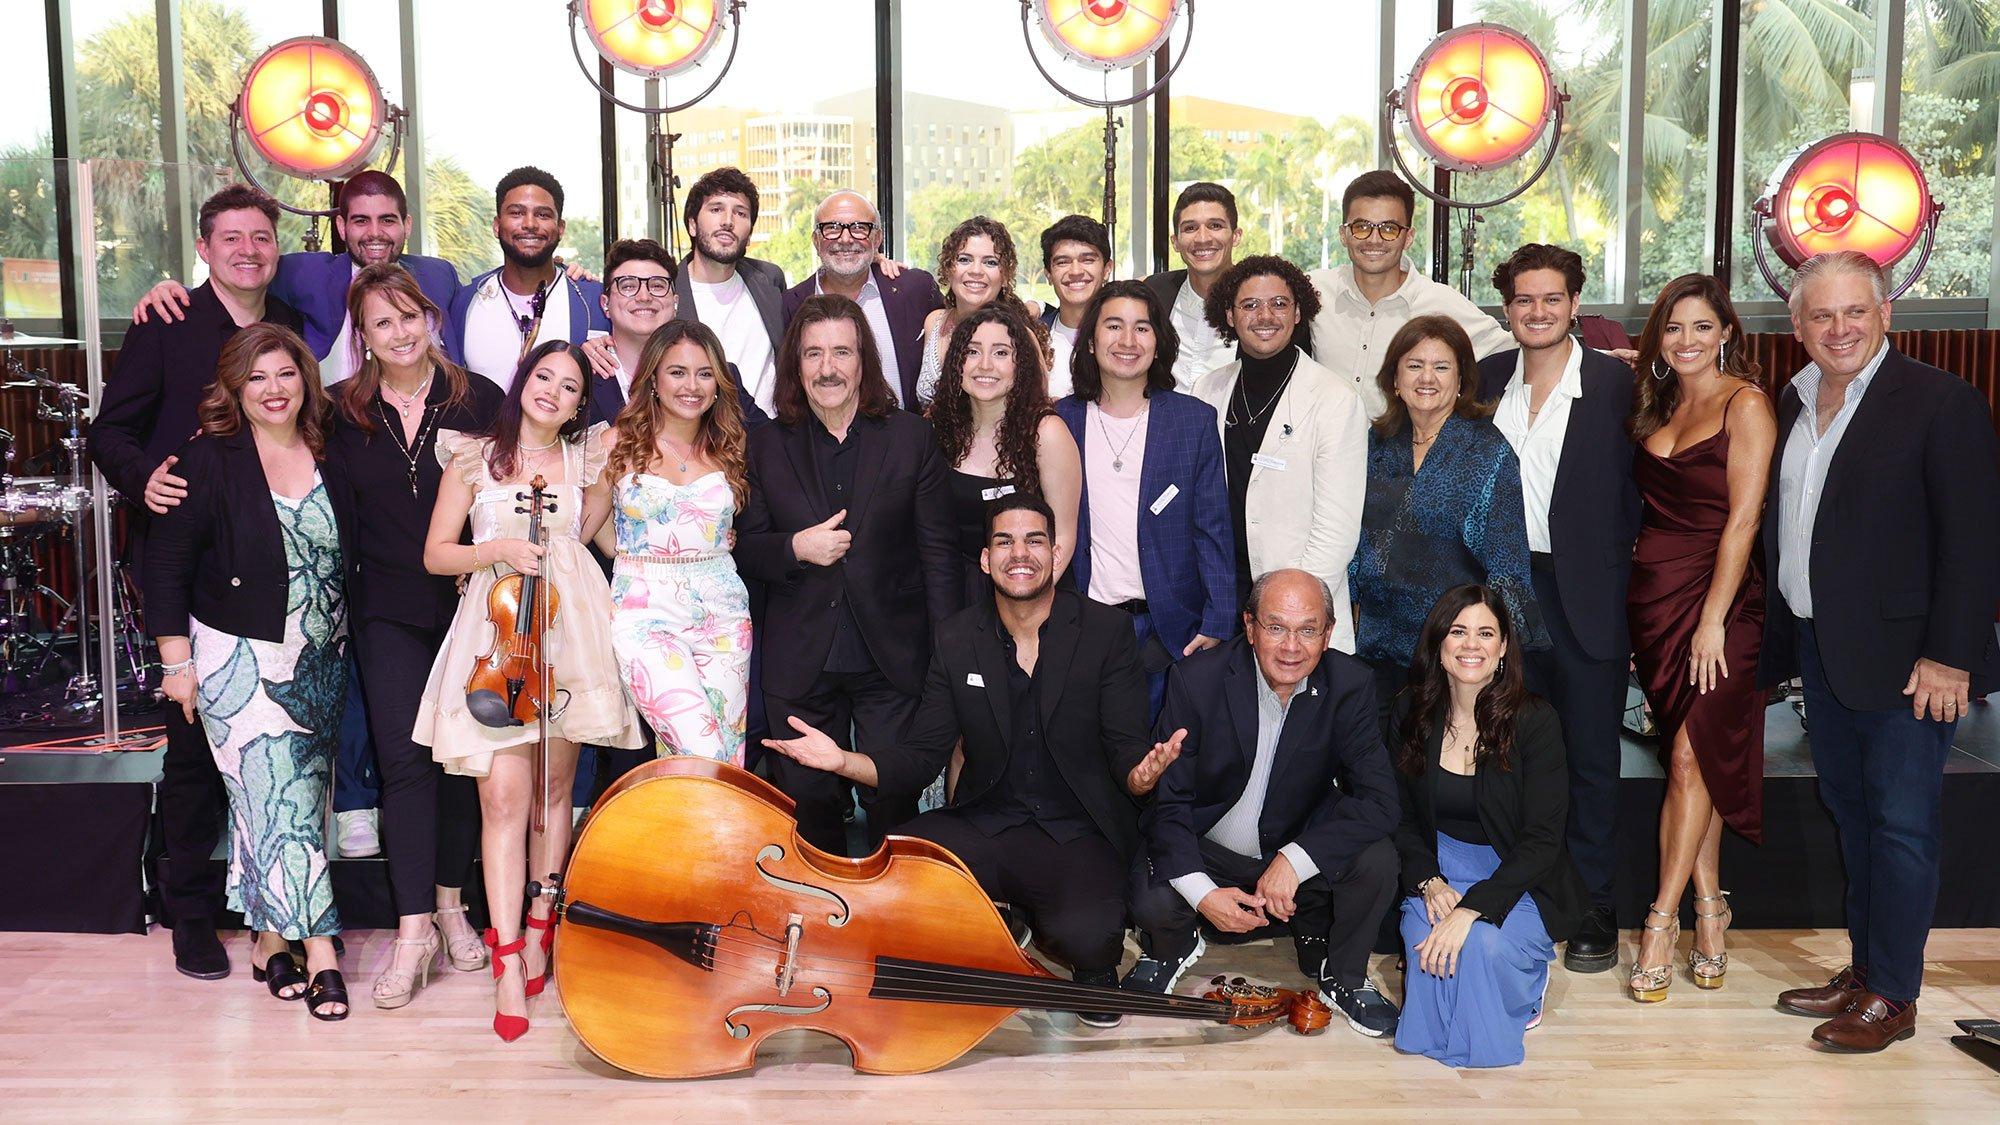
(312, 108)
(1107, 34)
(1851, 191)
(1478, 97)
(652, 38)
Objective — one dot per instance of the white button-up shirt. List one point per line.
(1349, 334)
(1238, 828)
(1538, 440)
(1802, 478)
(1202, 348)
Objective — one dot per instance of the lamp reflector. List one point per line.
(312, 108)
(1109, 34)
(1478, 97)
(1850, 191)
(652, 38)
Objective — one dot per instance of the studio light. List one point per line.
(1850, 191)
(656, 40)
(1106, 36)
(311, 108)
(1479, 97)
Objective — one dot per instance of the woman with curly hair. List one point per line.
(977, 265)
(1001, 435)
(681, 623)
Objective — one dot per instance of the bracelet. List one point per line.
(476, 564)
(1427, 882)
(177, 669)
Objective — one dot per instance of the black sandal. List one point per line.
(280, 972)
(328, 987)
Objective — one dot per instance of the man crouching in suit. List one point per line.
(1045, 689)
(1280, 805)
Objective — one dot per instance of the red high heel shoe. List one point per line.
(548, 927)
(508, 1028)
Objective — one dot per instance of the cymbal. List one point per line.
(23, 340)
(23, 385)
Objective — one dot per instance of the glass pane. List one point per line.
(1948, 124)
(1674, 210)
(118, 78)
(30, 273)
(1286, 135)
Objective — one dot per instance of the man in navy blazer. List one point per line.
(497, 317)
(847, 235)
(1280, 807)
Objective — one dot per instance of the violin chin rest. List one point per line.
(490, 708)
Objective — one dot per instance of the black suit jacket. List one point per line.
(1594, 510)
(902, 570)
(1166, 285)
(908, 299)
(1093, 702)
(1332, 790)
(1525, 812)
(765, 281)
(1906, 543)
(219, 554)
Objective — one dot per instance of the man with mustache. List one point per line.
(148, 412)
(501, 315)
(1043, 689)
(741, 298)
(847, 235)
(1206, 236)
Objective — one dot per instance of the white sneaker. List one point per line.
(359, 833)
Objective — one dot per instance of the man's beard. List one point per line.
(724, 258)
(354, 253)
(527, 262)
(1040, 588)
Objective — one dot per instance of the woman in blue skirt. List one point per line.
(1485, 804)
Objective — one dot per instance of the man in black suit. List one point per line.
(1279, 808)
(1563, 407)
(148, 412)
(1880, 533)
(850, 529)
(1045, 691)
(741, 298)
(1205, 234)
(847, 235)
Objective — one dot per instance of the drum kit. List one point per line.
(48, 667)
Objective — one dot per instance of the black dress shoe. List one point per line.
(1594, 946)
(197, 951)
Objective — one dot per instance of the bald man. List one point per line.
(847, 235)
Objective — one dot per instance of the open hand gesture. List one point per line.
(1146, 774)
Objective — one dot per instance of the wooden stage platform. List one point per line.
(101, 1028)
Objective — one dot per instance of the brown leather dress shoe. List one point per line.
(1830, 999)
(1867, 1026)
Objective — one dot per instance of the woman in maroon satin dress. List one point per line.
(1705, 432)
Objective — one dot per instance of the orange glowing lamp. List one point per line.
(1850, 191)
(1479, 96)
(652, 38)
(312, 108)
(1108, 34)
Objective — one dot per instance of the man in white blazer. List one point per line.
(1294, 437)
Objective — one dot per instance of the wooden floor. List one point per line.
(102, 1028)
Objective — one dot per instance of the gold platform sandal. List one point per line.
(1649, 985)
(1708, 971)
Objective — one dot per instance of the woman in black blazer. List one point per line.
(1485, 803)
(246, 594)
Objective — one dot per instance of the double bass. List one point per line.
(677, 964)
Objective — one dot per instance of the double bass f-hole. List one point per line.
(774, 852)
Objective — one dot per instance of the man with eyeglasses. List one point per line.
(847, 236)
(739, 297)
(1363, 303)
(1279, 808)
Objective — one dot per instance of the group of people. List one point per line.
(1234, 601)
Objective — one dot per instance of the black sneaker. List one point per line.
(1367, 1010)
(1107, 978)
(197, 951)
(1151, 975)
(1594, 946)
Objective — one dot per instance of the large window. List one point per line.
(30, 281)
(1948, 122)
(1675, 207)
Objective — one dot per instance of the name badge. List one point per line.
(1266, 461)
(1166, 498)
(996, 493)
(974, 679)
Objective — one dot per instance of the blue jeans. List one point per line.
(355, 785)
(1881, 775)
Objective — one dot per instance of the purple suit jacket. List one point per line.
(908, 299)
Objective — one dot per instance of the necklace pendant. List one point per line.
(1117, 465)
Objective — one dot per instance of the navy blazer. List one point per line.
(586, 312)
(766, 283)
(1184, 547)
(908, 299)
(1904, 542)
(1332, 789)
(1594, 509)
(316, 285)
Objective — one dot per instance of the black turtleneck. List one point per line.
(1253, 401)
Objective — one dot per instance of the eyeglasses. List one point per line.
(629, 286)
(1279, 305)
(1307, 634)
(832, 232)
(1362, 230)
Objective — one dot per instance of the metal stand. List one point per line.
(660, 158)
(1111, 174)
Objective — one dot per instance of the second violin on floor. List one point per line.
(678, 968)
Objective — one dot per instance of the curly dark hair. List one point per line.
(1003, 247)
(719, 181)
(1014, 443)
(1427, 695)
(527, 175)
(1222, 296)
(1086, 377)
(1657, 390)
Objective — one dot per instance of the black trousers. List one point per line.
(1073, 894)
(1333, 928)
(1589, 697)
(430, 819)
(192, 806)
(862, 712)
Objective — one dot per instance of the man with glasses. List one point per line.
(1363, 303)
(1279, 808)
(741, 298)
(847, 236)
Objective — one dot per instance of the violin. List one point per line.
(508, 684)
(678, 967)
